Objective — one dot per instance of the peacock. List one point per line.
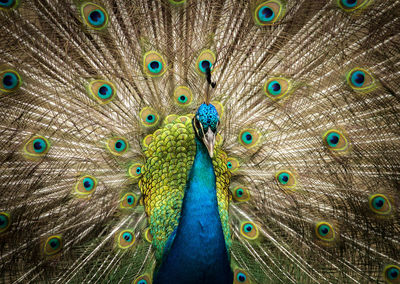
(199, 141)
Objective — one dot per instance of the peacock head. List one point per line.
(205, 124)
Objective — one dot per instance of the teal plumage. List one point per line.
(98, 133)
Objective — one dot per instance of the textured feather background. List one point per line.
(313, 49)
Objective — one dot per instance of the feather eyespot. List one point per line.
(249, 230)
(125, 239)
(240, 276)
(85, 186)
(8, 4)
(240, 194)
(117, 145)
(249, 138)
(135, 170)
(149, 117)
(277, 88)
(183, 96)
(391, 273)
(10, 80)
(335, 140)
(129, 200)
(325, 232)
(154, 64)
(37, 146)
(352, 5)
(232, 164)
(5, 222)
(205, 60)
(269, 12)
(360, 80)
(285, 179)
(102, 91)
(380, 204)
(94, 16)
(53, 245)
(143, 279)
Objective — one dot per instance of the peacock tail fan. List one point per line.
(97, 100)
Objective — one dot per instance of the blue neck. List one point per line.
(198, 253)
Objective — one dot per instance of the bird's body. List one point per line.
(198, 253)
(212, 141)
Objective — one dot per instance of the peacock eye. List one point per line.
(269, 12)
(352, 5)
(88, 184)
(37, 146)
(85, 185)
(129, 200)
(125, 239)
(380, 204)
(148, 117)
(349, 3)
(360, 80)
(97, 17)
(240, 194)
(154, 64)
(105, 91)
(183, 96)
(249, 137)
(53, 245)
(8, 4)
(249, 230)
(142, 279)
(205, 60)
(101, 90)
(94, 16)
(5, 221)
(274, 88)
(232, 164)
(277, 87)
(10, 81)
(204, 65)
(120, 145)
(335, 140)
(285, 179)
(392, 273)
(135, 170)
(117, 145)
(182, 99)
(240, 276)
(324, 231)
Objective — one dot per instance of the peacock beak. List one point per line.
(209, 141)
